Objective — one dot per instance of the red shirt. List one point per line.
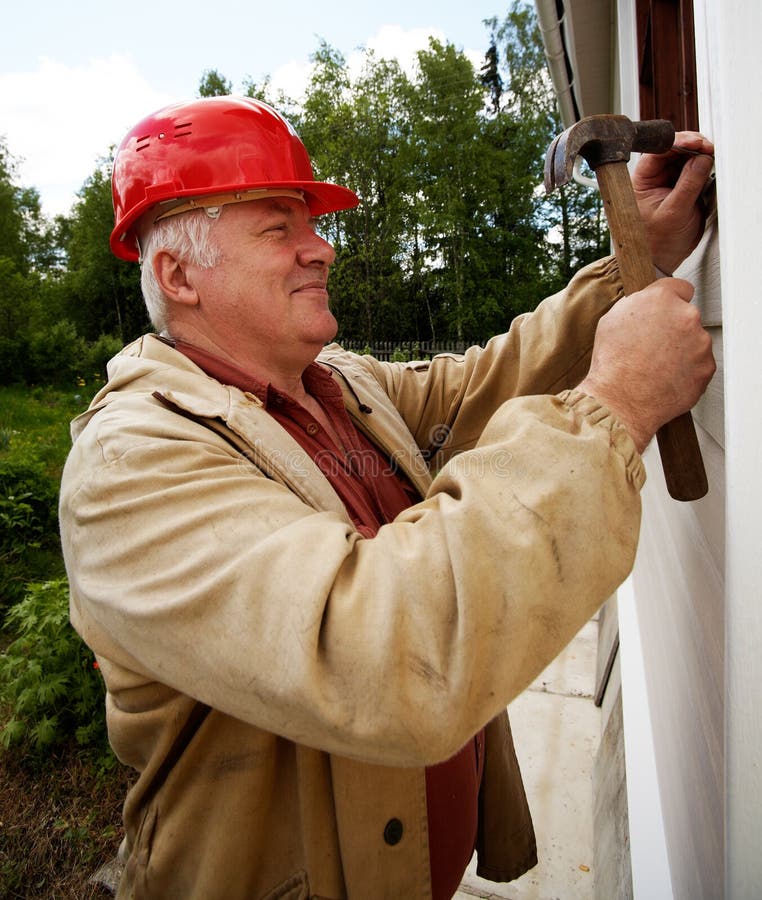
(374, 492)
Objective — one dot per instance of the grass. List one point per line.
(60, 823)
(60, 820)
(37, 419)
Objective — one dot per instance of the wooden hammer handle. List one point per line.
(678, 445)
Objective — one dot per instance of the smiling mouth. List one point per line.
(313, 286)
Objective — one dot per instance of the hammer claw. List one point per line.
(558, 164)
(550, 175)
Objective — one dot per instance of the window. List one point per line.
(667, 57)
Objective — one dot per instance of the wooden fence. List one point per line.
(404, 351)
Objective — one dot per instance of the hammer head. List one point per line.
(603, 139)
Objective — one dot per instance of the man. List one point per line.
(313, 581)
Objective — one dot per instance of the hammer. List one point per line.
(606, 142)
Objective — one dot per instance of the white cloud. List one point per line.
(390, 42)
(59, 120)
(393, 42)
(292, 78)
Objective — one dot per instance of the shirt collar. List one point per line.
(317, 380)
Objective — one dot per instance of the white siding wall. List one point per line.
(698, 577)
(733, 33)
(678, 588)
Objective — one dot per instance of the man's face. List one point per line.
(267, 296)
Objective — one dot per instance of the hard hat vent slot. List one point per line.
(183, 130)
(142, 142)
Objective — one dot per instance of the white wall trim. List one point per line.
(648, 843)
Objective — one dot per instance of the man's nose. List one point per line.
(316, 249)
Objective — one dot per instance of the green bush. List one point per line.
(26, 482)
(99, 352)
(21, 528)
(29, 542)
(50, 687)
(14, 356)
(34, 442)
(56, 354)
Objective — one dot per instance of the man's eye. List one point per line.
(274, 225)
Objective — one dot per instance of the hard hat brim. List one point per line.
(321, 198)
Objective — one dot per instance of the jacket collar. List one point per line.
(151, 365)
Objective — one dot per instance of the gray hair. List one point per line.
(188, 237)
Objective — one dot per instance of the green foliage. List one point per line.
(570, 224)
(19, 310)
(407, 354)
(490, 76)
(28, 521)
(56, 352)
(50, 687)
(57, 355)
(214, 85)
(35, 424)
(34, 441)
(61, 290)
(20, 216)
(97, 355)
(21, 525)
(101, 294)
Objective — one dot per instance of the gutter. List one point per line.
(550, 16)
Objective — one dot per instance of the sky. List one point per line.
(76, 75)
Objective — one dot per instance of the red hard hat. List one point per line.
(211, 146)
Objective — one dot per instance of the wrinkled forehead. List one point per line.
(289, 203)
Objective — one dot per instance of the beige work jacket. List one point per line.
(280, 682)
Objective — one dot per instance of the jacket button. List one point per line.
(393, 832)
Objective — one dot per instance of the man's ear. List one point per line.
(173, 279)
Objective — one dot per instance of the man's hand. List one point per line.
(651, 360)
(668, 188)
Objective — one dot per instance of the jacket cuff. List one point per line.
(582, 404)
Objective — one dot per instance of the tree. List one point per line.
(14, 213)
(343, 124)
(100, 293)
(359, 132)
(490, 76)
(20, 251)
(570, 218)
(446, 105)
(213, 84)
